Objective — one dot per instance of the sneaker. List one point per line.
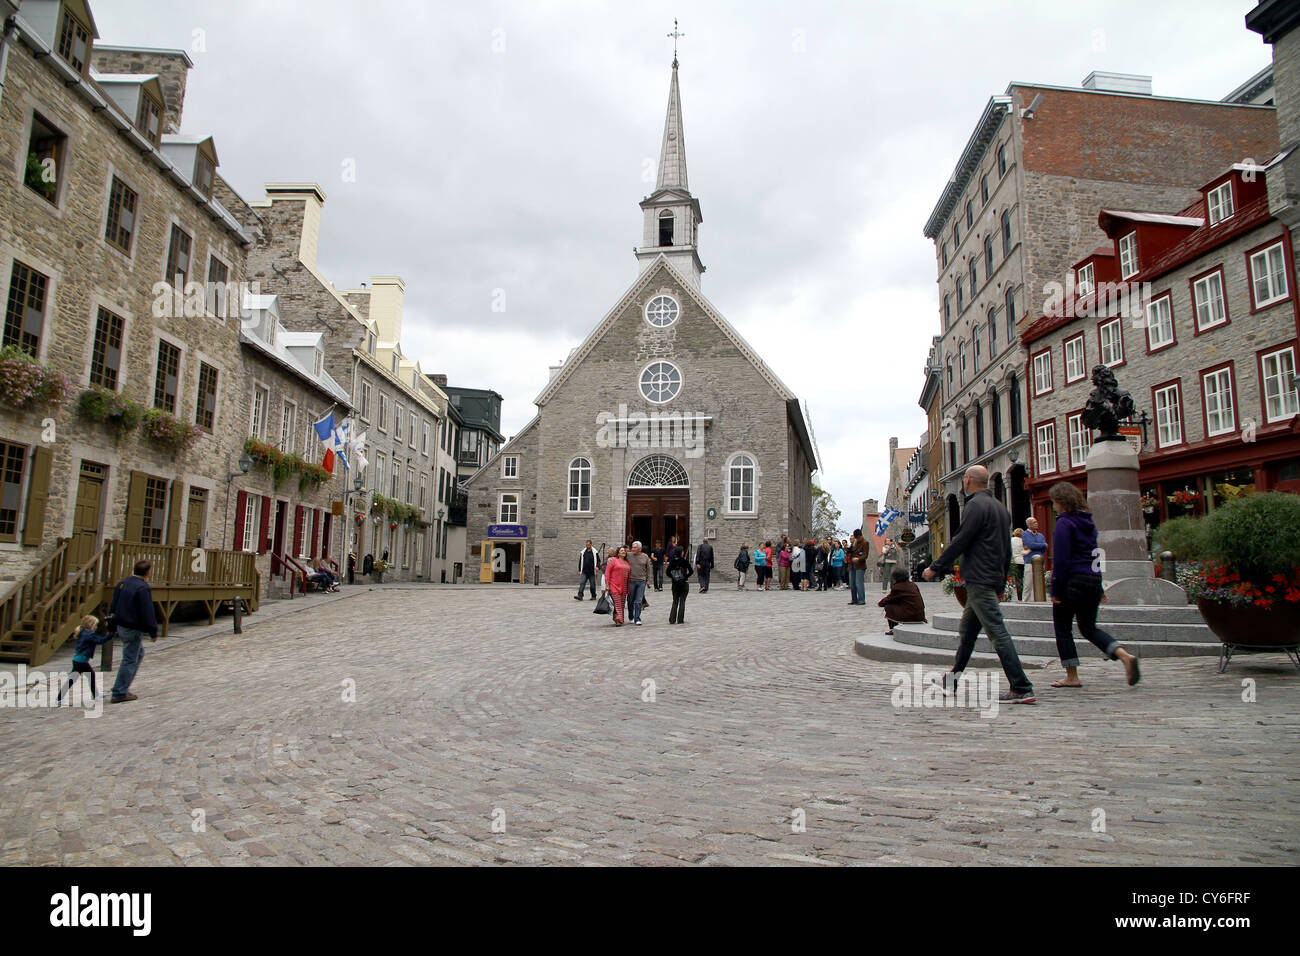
(1011, 697)
(947, 683)
(638, 623)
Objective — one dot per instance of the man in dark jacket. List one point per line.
(903, 604)
(588, 562)
(133, 617)
(984, 544)
(704, 564)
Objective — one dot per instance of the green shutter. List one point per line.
(135, 506)
(38, 492)
(174, 513)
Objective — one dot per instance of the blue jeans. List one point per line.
(132, 654)
(982, 610)
(588, 579)
(635, 598)
(858, 584)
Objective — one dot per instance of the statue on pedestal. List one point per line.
(1108, 405)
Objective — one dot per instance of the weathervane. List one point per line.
(675, 34)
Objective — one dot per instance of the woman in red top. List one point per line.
(767, 549)
(616, 572)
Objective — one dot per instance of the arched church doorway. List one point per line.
(658, 502)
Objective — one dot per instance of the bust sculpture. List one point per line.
(1107, 406)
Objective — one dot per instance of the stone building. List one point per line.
(930, 401)
(110, 224)
(1197, 312)
(1020, 207)
(663, 423)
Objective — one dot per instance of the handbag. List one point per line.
(677, 575)
(602, 605)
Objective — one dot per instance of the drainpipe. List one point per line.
(10, 35)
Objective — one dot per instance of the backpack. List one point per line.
(742, 561)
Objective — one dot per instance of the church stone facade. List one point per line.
(664, 422)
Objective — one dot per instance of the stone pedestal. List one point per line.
(1116, 503)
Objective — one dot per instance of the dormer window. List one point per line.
(666, 228)
(203, 172)
(1128, 255)
(149, 119)
(370, 343)
(1219, 203)
(396, 360)
(1083, 280)
(74, 42)
(317, 361)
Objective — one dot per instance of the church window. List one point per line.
(661, 382)
(658, 471)
(662, 311)
(666, 228)
(580, 485)
(740, 484)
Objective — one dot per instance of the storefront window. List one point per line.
(1224, 486)
(1182, 497)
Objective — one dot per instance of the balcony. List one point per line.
(458, 511)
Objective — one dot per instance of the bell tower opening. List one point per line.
(666, 228)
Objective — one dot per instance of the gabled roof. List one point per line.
(1157, 217)
(505, 447)
(637, 289)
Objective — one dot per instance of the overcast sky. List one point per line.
(505, 146)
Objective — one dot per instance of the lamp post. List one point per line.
(245, 466)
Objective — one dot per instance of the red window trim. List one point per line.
(264, 526)
(1210, 187)
(1065, 363)
(241, 503)
(1056, 443)
(1079, 415)
(1287, 271)
(315, 531)
(297, 531)
(1230, 365)
(1191, 291)
(1119, 259)
(1033, 374)
(1294, 346)
(1123, 360)
(1182, 416)
(1146, 322)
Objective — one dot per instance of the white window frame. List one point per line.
(1042, 372)
(378, 487)
(1207, 304)
(424, 438)
(1279, 385)
(1083, 283)
(1075, 352)
(251, 503)
(503, 516)
(1080, 440)
(1169, 417)
(410, 429)
(1274, 279)
(1218, 203)
(1220, 403)
(1160, 315)
(257, 428)
(742, 462)
(961, 351)
(1128, 261)
(1115, 346)
(288, 421)
(1045, 447)
(509, 466)
(579, 503)
(364, 402)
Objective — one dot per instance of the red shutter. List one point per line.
(315, 530)
(264, 526)
(325, 536)
(241, 502)
(297, 530)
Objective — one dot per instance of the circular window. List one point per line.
(662, 311)
(660, 382)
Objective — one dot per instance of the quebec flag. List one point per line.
(333, 437)
(886, 519)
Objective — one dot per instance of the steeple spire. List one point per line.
(672, 155)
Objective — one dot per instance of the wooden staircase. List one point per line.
(44, 609)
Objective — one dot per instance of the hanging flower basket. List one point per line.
(119, 414)
(1185, 498)
(25, 383)
(168, 431)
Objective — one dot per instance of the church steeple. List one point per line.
(672, 214)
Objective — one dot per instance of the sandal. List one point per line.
(1134, 672)
(1062, 683)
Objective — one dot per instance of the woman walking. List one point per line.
(616, 572)
(679, 573)
(742, 565)
(1076, 586)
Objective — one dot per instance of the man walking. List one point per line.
(587, 563)
(858, 568)
(983, 542)
(704, 564)
(638, 563)
(132, 614)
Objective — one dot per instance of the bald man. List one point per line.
(983, 542)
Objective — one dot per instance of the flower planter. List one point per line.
(1251, 626)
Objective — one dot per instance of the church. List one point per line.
(663, 423)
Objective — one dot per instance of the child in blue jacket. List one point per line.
(87, 640)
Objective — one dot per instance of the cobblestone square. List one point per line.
(425, 725)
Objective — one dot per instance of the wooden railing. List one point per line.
(22, 601)
(294, 571)
(180, 566)
(62, 610)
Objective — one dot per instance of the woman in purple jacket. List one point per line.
(1076, 586)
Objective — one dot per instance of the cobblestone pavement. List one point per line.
(517, 709)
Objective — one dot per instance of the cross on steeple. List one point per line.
(675, 34)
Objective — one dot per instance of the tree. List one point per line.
(825, 516)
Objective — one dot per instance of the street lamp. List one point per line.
(245, 464)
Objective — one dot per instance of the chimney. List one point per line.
(295, 208)
(1118, 83)
(439, 380)
(386, 296)
(172, 67)
(871, 507)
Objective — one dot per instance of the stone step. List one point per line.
(926, 635)
(882, 647)
(1126, 631)
(1030, 611)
